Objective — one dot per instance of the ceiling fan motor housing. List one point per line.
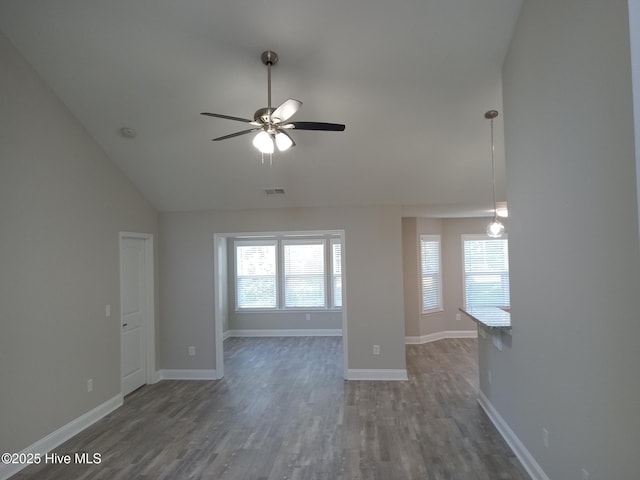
(263, 115)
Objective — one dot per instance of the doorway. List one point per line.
(137, 344)
(221, 288)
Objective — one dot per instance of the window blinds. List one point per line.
(336, 272)
(486, 272)
(256, 285)
(430, 273)
(304, 280)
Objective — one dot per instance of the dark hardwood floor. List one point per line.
(284, 412)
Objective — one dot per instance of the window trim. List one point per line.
(279, 240)
(477, 236)
(256, 242)
(283, 242)
(439, 308)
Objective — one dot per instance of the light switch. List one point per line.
(107, 311)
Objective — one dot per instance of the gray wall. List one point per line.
(634, 24)
(574, 249)
(373, 278)
(411, 276)
(62, 204)
(284, 320)
(450, 231)
(453, 229)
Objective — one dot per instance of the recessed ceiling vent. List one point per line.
(274, 191)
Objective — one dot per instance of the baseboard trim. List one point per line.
(184, 374)
(377, 375)
(433, 337)
(63, 434)
(298, 332)
(526, 459)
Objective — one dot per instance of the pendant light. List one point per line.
(495, 229)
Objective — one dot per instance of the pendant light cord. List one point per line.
(493, 170)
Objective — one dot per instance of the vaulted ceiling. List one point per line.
(411, 79)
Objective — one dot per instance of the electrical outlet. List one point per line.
(585, 474)
(545, 437)
(458, 317)
(192, 351)
(308, 317)
(107, 311)
(90, 385)
(376, 349)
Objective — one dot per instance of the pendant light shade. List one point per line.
(495, 229)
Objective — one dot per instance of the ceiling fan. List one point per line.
(272, 123)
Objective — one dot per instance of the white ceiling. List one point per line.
(411, 79)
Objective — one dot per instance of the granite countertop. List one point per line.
(492, 318)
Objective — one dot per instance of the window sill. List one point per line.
(288, 310)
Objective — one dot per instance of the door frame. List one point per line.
(220, 274)
(220, 285)
(149, 304)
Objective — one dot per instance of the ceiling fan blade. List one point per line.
(285, 110)
(330, 127)
(228, 117)
(237, 134)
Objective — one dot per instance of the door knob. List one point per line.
(124, 325)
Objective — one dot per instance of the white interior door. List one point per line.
(133, 311)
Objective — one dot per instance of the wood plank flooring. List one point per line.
(284, 412)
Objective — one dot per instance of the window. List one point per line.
(256, 285)
(304, 280)
(288, 272)
(431, 280)
(486, 271)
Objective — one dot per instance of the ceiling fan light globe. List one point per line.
(283, 141)
(263, 142)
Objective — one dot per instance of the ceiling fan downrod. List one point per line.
(269, 58)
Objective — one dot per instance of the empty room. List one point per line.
(319, 240)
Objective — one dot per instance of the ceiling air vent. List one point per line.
(274, 191)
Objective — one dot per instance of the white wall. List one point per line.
(373, 278)
(573, 238)
(62, 204)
